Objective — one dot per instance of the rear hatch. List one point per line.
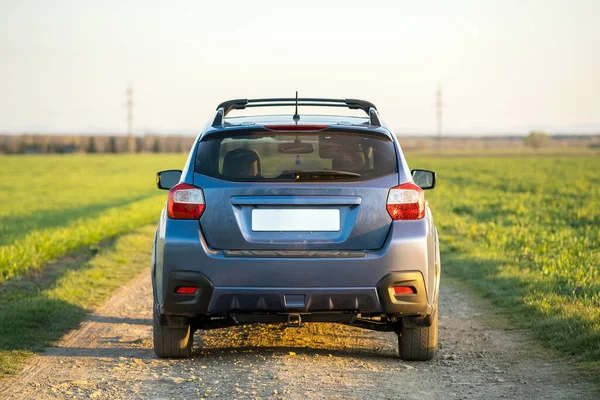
(280, 190)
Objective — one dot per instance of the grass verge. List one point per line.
(33, 251)
(37, 310)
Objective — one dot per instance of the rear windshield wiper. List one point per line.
(324, 175)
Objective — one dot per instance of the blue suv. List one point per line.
(290, 219)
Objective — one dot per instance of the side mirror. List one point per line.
(423, 178)
(167, 179)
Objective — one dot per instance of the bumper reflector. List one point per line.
(404, 290)
(186, 290)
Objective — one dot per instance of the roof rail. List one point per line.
(240, 104)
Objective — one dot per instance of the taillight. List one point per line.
(406, 201)
(403, 290)
(186, 290)
(185, 202)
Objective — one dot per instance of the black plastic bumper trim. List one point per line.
(186, 305)
(408, 304)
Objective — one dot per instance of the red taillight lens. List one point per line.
(185, 202)
(404, 290)
(296, 127)
(406, 201)
(186, 290)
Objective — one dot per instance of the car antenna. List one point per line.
(296, 116)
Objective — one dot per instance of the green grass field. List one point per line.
(50, 205)
(524, 232)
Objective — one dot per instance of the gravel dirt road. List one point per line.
(110, 357)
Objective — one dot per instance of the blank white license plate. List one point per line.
(286, 220)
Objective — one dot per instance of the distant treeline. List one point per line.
(44, 144)
(534, 140)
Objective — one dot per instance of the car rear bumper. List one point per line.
(225, 300)
(255, 282)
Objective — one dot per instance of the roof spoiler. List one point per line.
(240, 104)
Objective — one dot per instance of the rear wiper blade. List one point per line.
(324, 174)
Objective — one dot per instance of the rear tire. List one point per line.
(171, 342)
(419, 343)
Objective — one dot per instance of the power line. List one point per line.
(130, 138)
(438, 106)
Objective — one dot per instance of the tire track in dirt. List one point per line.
(110, 357)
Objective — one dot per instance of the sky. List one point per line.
(504, 66)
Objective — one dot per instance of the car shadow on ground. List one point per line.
(141, 353)
(119, 320)
(223, 353)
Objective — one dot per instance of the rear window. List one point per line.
(296, 157)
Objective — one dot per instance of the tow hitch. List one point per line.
(294, 320)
